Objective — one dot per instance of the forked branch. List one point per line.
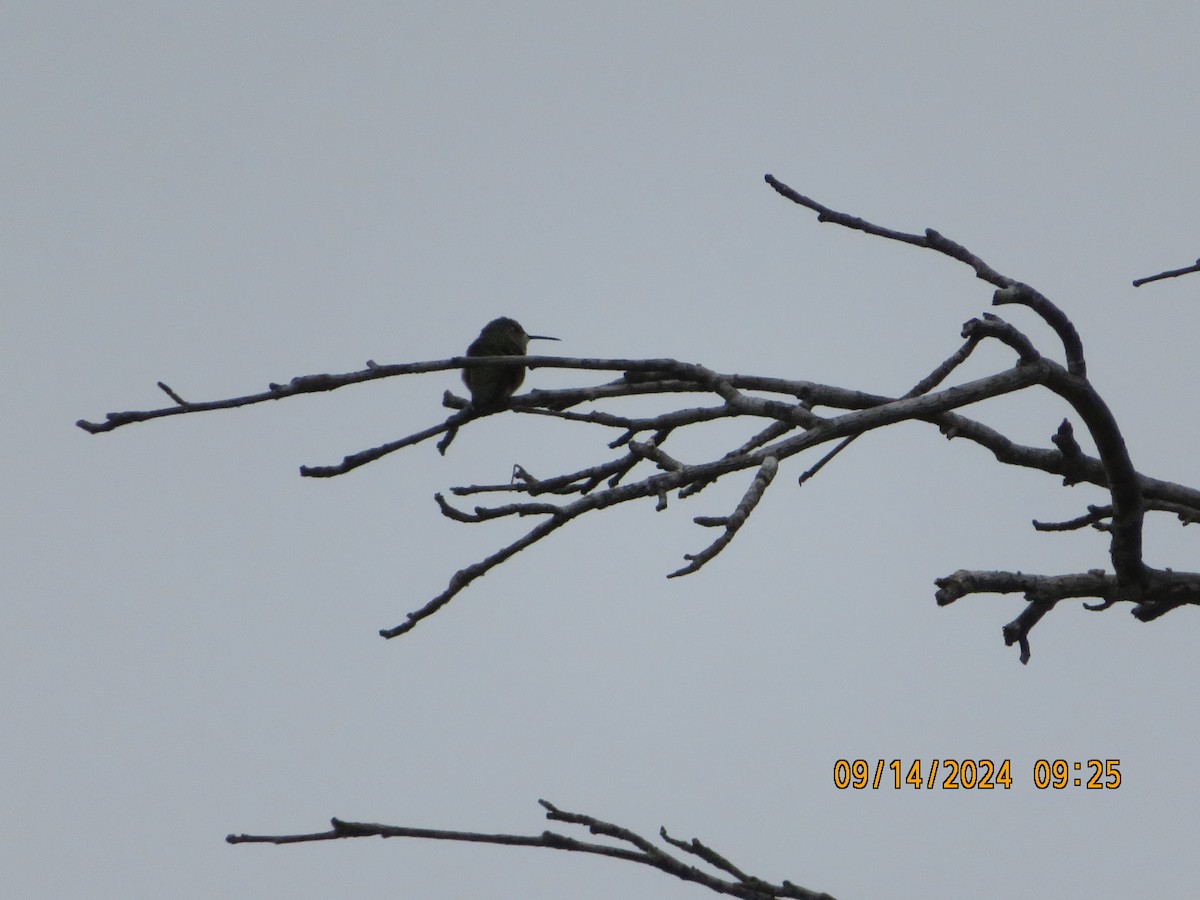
(785, 423)
(637, 849)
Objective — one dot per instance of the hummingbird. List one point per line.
(491, 386)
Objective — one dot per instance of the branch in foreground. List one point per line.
(644, 852)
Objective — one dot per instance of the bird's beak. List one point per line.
(542, 337)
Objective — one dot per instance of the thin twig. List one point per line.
(1171, 273)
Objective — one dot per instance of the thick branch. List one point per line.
(1121, 477)
(1162, 592)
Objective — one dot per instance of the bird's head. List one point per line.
(506, 332)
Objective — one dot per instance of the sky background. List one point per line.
(222, 195)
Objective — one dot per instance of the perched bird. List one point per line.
(491, 386)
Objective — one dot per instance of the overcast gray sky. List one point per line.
(221, 195)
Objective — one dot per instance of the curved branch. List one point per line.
(1095, 518)
(1054, 317)
(1120, 476)
(1012, 291)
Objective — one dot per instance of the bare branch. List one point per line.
(484, 513)
(1171, 273)
(361, 458)
(170, 393)
(732, 523)
(466, 575)
(772, 432)
(1071, 463)
(301, 384)
(1095, 516)
(312, 384)
(1163, 591)
(1055, 318)
(580, 482)
(789, 427)
(867, 413)
(1134, 580)
(995, 327)
(926, 384)
(650, 450)
(1120, 475)
(660, 484)
(640, 850)
(931, 239)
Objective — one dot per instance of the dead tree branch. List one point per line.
(640, 850)
(1019, 293)
(1170, 273)
(786, 422)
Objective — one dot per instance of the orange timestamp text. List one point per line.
(954, 774)
(973, 774)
